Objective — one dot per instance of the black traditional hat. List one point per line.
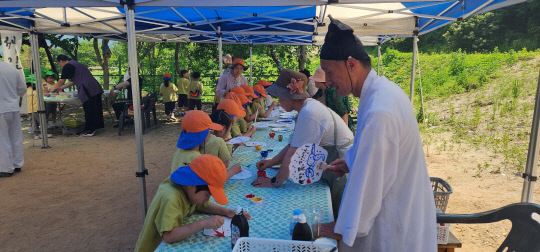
(340, 43)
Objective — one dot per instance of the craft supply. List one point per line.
(249, 196)
(282, 130)
(305, 165)
(257, 200)
(258, 147)
(239, 226)
(261, 174)
(238, 140)
(301, 231)
(252, 144)
(223, 231)
(280, 138)
(264, 154)
(272, 135)
(244, 174)
(294, 220)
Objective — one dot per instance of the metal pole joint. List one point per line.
(141, 174)
(529, 177)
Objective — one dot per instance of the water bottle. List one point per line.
(239, 226)
(301, 231)
(294, 220)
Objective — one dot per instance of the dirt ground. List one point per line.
(82, 193)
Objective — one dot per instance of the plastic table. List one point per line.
(270, 219)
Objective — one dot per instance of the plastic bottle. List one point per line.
(294, 220)
(301, 231)
(239, 226)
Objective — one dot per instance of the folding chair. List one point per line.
(525, 217)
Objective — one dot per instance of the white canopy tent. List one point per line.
(281, 22)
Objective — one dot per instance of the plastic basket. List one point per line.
(441, 192)
(73, 123)
(250, 244)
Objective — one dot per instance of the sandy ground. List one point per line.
(82, 193)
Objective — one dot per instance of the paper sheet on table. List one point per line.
(223, 231)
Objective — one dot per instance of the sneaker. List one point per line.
(88, 133)
(5, 174)
(40, 136)
(17, 170)
(173, 118)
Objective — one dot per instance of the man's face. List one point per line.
(238, 70)
(62, 63)
(337, 76)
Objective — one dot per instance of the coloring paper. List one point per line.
(223, 231)
(303, 168)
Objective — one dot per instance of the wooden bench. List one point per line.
(452, 244)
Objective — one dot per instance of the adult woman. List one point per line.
(89, 92)
(232, 79)
(315, 124)
(328, 96)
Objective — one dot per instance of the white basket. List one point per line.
(250, 244)
(443, 232)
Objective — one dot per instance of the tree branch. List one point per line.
(148, 49)
(98, 53)
(275, 58)
(176, 50)
(189, 57)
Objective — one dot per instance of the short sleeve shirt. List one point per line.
(68, 71)
(182, 85)
(235, 129)
(216, 147)
(243, 124)
(168, 209)
(169, 93)
(195, 89)
(130, 91)
(182, 158)
(315, 125)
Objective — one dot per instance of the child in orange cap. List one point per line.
(216, 145)
(196, 127)
(195, 89)
(187, 189)
(231, 107)
(240, 126)
(260, 102)
(250, 95)
(168, 91)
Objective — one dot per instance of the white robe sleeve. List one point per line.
(372, 163)
(21, 86)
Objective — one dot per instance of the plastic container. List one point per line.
(441, 192)
(239, 226)
(294, 220)
(302, 231)
(443, 232)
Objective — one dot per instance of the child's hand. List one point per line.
(213, 222)
(235, 169)
(248, 216)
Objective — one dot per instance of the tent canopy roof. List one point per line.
(290, 22)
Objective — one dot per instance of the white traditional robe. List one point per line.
(388, 202)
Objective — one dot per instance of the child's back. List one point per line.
(195, 89)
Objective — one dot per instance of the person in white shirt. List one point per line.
(232, 79)
(12, 87)
(315, 123)
(388, 202)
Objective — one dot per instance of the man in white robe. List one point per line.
(12, 87)
(388, 202)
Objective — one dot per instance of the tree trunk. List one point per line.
(189, 57)
(302, 58)
(103, 62)
(176, 50)
(148, 49)
(275, 58)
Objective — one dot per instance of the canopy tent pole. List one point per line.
(39, 88)
(379, 58)
(220, 46)
(532, 156)
(413, 71)
(251, 64)
(132, 53)
(422, 104)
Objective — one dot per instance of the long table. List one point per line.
(270, 219)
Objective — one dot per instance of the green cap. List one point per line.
(31, 79)
(49, 73)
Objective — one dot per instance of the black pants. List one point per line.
(193, 103)
(118, 108)
(93, 114)
(214, 107)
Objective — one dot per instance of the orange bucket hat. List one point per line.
(204, 170)
(231, 108)
(249, 91)
(259, 90)
(239, 61)
(195, 127)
